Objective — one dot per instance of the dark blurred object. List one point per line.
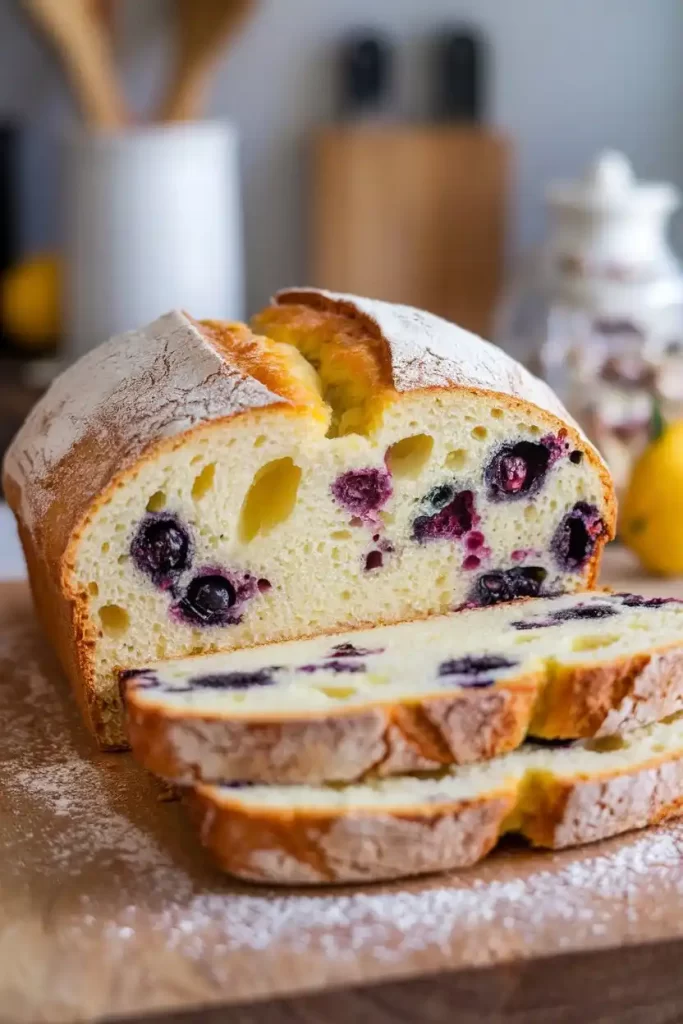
(459, 77)
(203, 29)
(17, 397)
(366, 65)
(9, 194)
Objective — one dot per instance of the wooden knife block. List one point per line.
(412, 214)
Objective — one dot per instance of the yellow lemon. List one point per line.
(651, 515)
(30, 300)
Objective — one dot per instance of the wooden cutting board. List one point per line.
(108, 908)
(412, 214)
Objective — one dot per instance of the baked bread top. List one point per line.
(143, 390)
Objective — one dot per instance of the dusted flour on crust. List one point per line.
(195, 486)
(394, 828)
(430, 352)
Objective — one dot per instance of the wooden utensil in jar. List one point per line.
(203, 30)
(74, 28)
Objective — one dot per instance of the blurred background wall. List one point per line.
(568, 79)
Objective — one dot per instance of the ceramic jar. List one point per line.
(599, 312)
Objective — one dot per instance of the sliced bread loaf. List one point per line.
(192, 487)
(391, 828)
(414, 696)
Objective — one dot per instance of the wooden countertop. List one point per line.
(108, 908)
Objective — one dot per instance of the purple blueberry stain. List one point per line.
(141, 679)
(557, 444)
(576, 537)
(161, 548)
(474, 670)
(641, 601)
(471, 562)
(578, 613)
(363, 492)
(336, 665)
(349, 650)
(235, 680)
(508, 584)
(474, 540)
(453, 520)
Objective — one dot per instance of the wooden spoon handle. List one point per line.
(88, 61)
(203, 29)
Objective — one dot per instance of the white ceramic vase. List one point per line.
(153, 223)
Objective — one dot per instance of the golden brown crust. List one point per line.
(460, 727)
(619, 695)
(313, 845)
(466, 726)
(327, 848)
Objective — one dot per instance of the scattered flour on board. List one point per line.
(505, 906)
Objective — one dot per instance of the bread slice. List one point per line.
(391, 828)
(193, 487)
(414, 696)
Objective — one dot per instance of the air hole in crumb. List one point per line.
(456, 459)
(271, 498)
(341, 535)
(337, 692)
(260, 441)
(161, 649)
(264, 585)
(534, 430)
(93, 589)
(594, 643)
(345, 595)
(526, 638)
(607, 743)
(530, 513)
(105, 547)
(409, 456)
(115, 619)
(196, 459)
(658, 748)
(156, 502)
(122, 559)
(204, 481)
(479, 433)
(497, 413)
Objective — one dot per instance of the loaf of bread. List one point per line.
(391, 828)
(194, 487)
(419, 695)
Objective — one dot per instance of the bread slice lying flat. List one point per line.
(392, 828)
(416, 696)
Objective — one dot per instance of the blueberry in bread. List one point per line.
(412, 696)
(413, 825)
(194, 487)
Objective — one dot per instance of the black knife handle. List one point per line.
(459, 75)
(366, 72)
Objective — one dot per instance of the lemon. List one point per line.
(30, 301)
(651, 520)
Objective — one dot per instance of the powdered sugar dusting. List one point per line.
(124, 396)
(123, 913)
